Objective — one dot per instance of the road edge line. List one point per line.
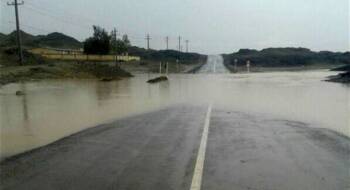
(198, 170)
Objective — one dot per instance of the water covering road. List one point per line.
(283, 130)
(215, 64)
(159, 150)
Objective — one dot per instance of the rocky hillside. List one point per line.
(286, 57)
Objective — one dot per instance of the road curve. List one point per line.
(158, 151)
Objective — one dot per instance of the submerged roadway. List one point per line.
(187, 147)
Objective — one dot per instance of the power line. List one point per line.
(43, 13)
(20, 54)
(48, 13)
(63, 13)
(89, 22)
(30, 26)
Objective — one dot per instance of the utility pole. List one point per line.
(187, 41)
(235, 68)
(115, 33)
(148, 38)
(114, 41)
(160, 68)
(19, 43)
(179, 43)
(167, 42)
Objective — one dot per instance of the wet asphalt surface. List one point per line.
(158, 150)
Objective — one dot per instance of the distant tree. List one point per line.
(114, 40)
(126, 40)
(99, 43)
(122, 45)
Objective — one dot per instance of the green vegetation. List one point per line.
(99, 43)
(119, 46)
(102, 44)
(286, 57)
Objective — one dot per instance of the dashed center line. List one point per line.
(198, 170)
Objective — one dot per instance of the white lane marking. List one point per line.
(198, 170)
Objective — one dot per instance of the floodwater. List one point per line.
(50, 110)
(215, 64)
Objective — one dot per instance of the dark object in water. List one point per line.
(19, 93)
(158, 79)
(341, 77)
(106, 79)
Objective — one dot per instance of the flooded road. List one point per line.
(215, 64)
(51, 110)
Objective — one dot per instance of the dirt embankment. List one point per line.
(100, 71)
(36, 67)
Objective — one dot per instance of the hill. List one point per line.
(11, 39)
(286, 57)
(2, 36)
(57, 40)
(54, 40)
(342, 68)
(166, 55)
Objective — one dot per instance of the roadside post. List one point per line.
(177, 65)
(167, 68)
(116, 60)
(248, 66)
(160, 68)
(235, 67)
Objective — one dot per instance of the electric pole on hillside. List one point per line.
(148, 38)
(20, 54)
(187, 41)
(179, 43)
(167, 42)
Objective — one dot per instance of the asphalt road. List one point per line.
(158, 151)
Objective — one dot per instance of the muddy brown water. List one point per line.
(53, 109)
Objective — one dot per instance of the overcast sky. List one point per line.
(211, 26)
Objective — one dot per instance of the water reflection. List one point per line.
(24, 102)
(53, 109)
